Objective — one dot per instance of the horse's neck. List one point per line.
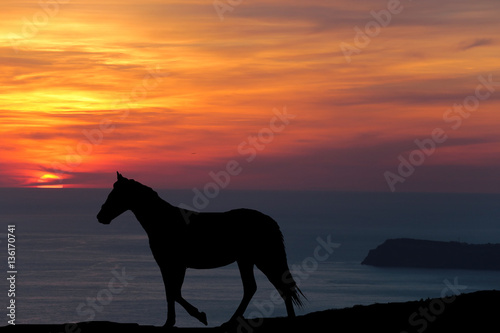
(155, 215)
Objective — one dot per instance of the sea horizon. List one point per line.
(65, 257)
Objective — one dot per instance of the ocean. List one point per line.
(70, 268)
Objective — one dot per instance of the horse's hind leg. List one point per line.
(249, 287)
(279, 275)
(201, 316)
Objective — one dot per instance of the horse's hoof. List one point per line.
(203, 318)
(169, 324)
(229, 325)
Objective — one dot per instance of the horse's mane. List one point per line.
(143, 189)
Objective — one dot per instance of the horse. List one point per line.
(181, 239)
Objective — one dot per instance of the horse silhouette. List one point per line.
(181, 239)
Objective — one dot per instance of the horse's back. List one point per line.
(239, 224)
(218, 239)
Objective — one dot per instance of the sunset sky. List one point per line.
(303, 95)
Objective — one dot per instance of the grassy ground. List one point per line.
(473, 312)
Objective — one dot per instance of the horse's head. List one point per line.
(119, 200)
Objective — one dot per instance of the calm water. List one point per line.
(71, 268)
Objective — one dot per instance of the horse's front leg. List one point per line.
(173, 277)
(170, 309)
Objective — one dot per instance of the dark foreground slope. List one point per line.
(405, 252)
(474, 312)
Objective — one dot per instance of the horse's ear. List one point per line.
(119, 176)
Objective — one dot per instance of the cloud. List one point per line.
(466, 45)
(225, 77)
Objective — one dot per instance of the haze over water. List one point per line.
(317, 110)
(66, 259)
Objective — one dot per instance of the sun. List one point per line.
(49, 178)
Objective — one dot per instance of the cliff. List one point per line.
(406, 252)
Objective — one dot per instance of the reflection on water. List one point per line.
(66, 259)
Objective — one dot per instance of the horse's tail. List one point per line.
(273, 263)
(289, 289)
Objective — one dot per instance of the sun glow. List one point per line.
(49, 180)
(169, 91)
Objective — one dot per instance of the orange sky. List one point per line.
(167, 92)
